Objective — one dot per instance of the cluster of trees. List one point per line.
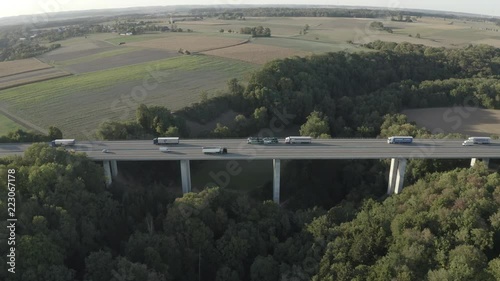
(446, 227)
(26, 136)
(25, 49)
(150, 121)
(380, 26)
(231, 16)
(258, 31)
(408, 16)
(402, 18)
(138, 27)
(296, 12)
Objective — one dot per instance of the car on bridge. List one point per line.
(164, 149)
(255, 140)
(270, 140)
(105, 150)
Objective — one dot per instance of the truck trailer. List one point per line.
(400, 139)
(292, 140)
(166, 140)
(214, 150)
(62, 142)
(480, 140)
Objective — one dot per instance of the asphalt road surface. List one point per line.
(145, 150)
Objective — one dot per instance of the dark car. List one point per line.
(255, 140)
(270, 140)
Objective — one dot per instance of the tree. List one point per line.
(98, 266)
(172, 131)
(221, 131)
(234, 87)
(315, 126)
(418, 35)
(264, 269)
(55, 133)
(143, 116)
(260, 117)
(221, 30)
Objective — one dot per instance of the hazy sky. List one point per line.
(24, 7)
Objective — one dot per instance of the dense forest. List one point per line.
(70, 227)
(336, 222)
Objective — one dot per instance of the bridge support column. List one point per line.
(486, 161)
(392, 175)
(114, 168)
(107, 172)
(396, 176)
(276, 180)
(185, 176)
(400, 176)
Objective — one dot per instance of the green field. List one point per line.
(7, 125)
(97, 56)
(127, 39)
(78, 104)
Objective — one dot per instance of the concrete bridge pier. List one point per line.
(107, 172)
(486, 161)
(114, 168)
(276, 180)
(185, 176)
(400, 176)
(396, 175)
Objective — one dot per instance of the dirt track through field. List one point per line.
(23, 122)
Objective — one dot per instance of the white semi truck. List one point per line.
(214, 150)
(292, 140)
(166, 140)
(62, 142)
(480, 140)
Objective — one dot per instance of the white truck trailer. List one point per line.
(480, 140)
(214, 150)
(63, 142)
(292, 140)
(166, 140)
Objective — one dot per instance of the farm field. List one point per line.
(7, 125)
(190, 42)
(106, 73)
(20, 66)
(78, 104)
(326, 33)
(465, 120)
(31, 77)
(254, 53)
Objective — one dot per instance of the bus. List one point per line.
(400, 139)
(292, 140)
(166, 140)
(480, 140)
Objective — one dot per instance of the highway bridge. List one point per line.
(238, 149)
